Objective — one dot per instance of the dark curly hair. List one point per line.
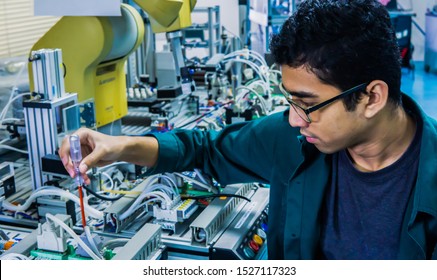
(344, 43)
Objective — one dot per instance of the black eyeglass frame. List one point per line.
(311, 109)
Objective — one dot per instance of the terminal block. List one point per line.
(182, 211)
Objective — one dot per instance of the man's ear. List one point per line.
(376, 99)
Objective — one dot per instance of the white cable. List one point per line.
(252, 64)
(252, 53)
(117, 242)
(276, 72)
(149, 182)
(135, 207)
(90, 239)
(144, 204)
(74, 235)
(254, 60)
(13, 256)
(247, 53)
(166, 177)
(256, 83)
(163, 188)
(110, 180)
(112, 165)
(249, 89)
(260, 98)
(17, 77)
(173, 183)
(261, 84)
(257, 70)
(147, 202)
(9, 120)
(5, 109)
(44, 192)
(7, 147)
(168, 190)
(159, 195)
(162, 195)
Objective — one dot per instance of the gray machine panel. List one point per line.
(234, 242)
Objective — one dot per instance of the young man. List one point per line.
(351, 164)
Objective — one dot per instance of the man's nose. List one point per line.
(295, 120)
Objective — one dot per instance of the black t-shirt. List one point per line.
(363, 212)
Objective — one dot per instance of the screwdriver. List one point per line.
(76, 158)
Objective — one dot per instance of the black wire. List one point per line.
(101, 196)
(218, 195)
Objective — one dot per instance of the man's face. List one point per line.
(332, 128)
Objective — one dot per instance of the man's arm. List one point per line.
(244, 152)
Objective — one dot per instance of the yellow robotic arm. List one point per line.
(168, 15)
(95, 49)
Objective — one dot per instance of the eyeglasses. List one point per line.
(304, 113)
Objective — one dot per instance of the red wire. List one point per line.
(82, 207)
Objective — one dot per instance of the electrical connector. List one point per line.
(265, 71)
(96, 239)
(186, 209)
(245, 53)
(248, 73)
(52, 237)
(178, 213)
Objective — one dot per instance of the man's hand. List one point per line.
(97, 150)
(100, 149)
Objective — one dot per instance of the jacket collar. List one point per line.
(425, 198)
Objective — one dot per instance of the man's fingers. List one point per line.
(64, 151)
(91, 160)
(83, 168)
(86, 179)
(64, 154)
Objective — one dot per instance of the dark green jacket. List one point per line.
(269, 150)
